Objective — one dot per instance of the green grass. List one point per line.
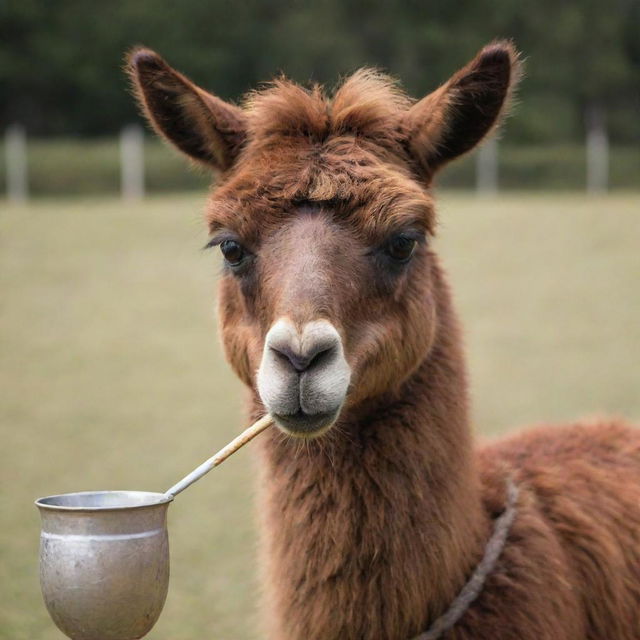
(111, 375)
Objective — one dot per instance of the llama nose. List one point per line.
(303, 376)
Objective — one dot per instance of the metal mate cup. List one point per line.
(104, 562)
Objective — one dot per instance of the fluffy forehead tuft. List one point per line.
(345, 152)
(367, 103)
(374, 198)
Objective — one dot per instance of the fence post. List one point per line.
(487, 168)
(132, 162)
(16, 161)
(597, 150)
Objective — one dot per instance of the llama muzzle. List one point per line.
(303, 376)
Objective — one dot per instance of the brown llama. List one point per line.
(336, 314)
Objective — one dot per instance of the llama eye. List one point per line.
(401, 247)
(233, 252)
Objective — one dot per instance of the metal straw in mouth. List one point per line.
(239, 441)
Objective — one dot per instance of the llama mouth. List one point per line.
(306, 425)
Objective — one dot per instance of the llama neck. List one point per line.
(371, 531)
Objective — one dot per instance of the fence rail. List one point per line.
(134, 165)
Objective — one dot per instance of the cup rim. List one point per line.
(160, 498)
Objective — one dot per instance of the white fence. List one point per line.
(597, 152)
(132, 183)
(487, 168)
(16, 161)
(132, 162)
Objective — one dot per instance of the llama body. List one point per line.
(383, 526)
(336, 314)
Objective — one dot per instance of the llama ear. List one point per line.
(454, 118)
(206, 128)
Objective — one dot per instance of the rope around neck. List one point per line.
(472, 589)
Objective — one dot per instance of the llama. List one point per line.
(335, 312)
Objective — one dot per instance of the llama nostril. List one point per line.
(303, 362)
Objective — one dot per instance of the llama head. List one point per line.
(323, 213)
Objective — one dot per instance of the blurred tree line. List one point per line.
(61, 61)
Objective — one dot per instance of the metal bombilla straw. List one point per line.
(239, 441)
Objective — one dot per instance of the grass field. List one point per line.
(111, 375)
